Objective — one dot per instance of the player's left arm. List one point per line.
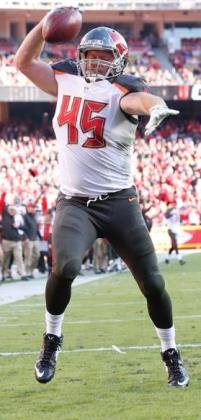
(142, 103)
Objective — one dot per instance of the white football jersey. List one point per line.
(95, 138)
(173, 220)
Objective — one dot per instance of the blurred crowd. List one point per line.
(25, 243)
(186, 61)
(166, 168)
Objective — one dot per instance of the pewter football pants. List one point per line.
(118, 218)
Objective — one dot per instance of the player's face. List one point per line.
(100, 58)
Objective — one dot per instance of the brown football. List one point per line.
(61, 24)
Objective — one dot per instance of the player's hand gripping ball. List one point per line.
(61, 24)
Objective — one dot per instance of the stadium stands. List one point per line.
(142, 60)
(167, 166)
(151, 55)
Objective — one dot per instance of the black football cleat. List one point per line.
(46, 364)
(177, 375)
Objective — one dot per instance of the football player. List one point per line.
(172, 219)
(95, 122)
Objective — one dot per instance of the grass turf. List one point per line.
(93, 381)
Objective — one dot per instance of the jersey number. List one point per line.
(87, 123)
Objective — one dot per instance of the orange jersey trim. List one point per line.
(121, 88)
(59, 72)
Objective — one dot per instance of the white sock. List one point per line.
(119, 264)
(53, 323)
(167, 338)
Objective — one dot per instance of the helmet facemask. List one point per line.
(96, 69)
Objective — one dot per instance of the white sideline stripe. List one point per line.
(117, 349)
(95, 321)
(12, 292)
(26, 309)
(191, 290)
(100, 349)
(33, 305)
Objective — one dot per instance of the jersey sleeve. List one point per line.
(127, 84)
(131, 83)
(65, 66)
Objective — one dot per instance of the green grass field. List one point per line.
(94, 381)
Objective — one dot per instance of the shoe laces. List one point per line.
(173, 361)
(51, 345)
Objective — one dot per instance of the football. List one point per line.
(61, 24)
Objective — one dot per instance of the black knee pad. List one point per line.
(69, 270)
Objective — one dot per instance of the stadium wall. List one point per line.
(135, 19)
(189, 238)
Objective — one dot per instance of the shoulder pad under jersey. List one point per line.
(132, 83)
(66, 66)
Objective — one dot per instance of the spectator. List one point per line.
(100, 256)
(31, 245)
(147, 219)
(11, 242)
(173, 223)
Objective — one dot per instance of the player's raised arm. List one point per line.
(59, 25)
(27, 60)
(142, 103)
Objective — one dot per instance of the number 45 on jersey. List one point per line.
(87, 123)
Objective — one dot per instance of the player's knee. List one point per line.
(155, 286)
(68, 270)
(71, 269)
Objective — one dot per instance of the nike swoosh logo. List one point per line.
(131, 199)
(38, 373)
(185, 382)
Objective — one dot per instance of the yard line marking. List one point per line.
(96, 321)
(21, 325)
(4, 309)
(188, 316)
(117, 349)
(16, 306)
(192, 290)
(100, 349)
